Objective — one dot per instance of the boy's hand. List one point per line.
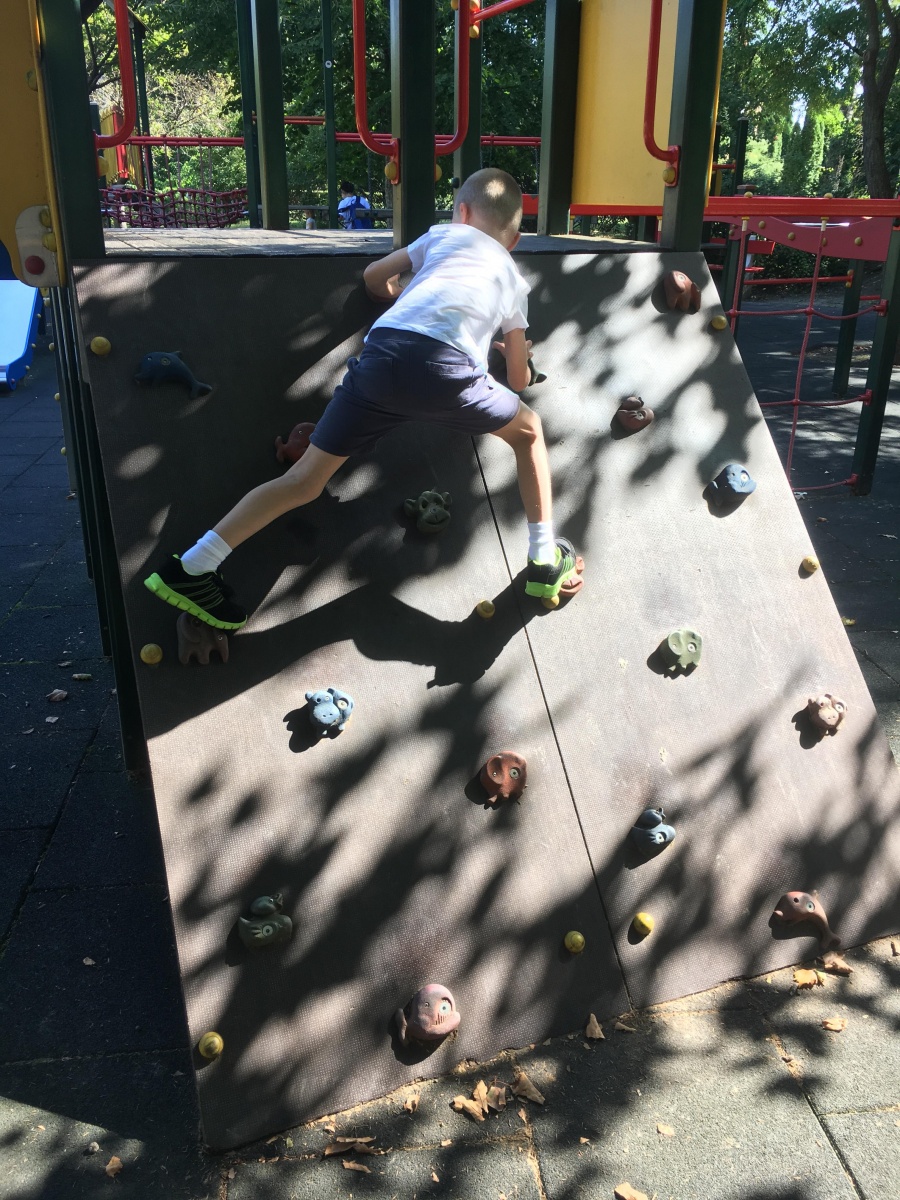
(390, 291)
(516, 349)
(382, 278)
(501, 346)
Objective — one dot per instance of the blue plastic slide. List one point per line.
(21, 309)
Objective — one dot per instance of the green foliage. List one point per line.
(803, 157)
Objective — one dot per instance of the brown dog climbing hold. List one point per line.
(504, 776)
(198, 640)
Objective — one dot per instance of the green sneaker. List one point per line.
(546, 579)
(206, 597)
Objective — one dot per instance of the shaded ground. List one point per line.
(764, 1103)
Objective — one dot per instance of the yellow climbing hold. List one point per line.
(485, 608)
(550, 602)
(56, 397)
(391, 171)
(574, 941)
(48, 241)
(151, 654)
(668, 175)
(719, 321)
(62, 451)
(810, 564)
(211, 1045)
(44, 217)
(643, 924)
(101, 346)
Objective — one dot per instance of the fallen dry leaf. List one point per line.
(329, 1128)
(522, 1115)
(89, 962)
(345, 1145)
(114, 1166)
(273, 1138)
(434, 1176)
(64, 664)
(665, 1130)
(496, 1097)
(350, 1165)
(836, 965)
(895, 949)
(411, 1103)
(807, 979)
(522, 1086)
(231, 1173)
(447, 1142)
(849, 620)
(82, 676)
(480, 1094)
(622, 1027)
(822, 520)
(626, 1192)
(51, 720)
(835, 1024)
(585, 1141)
(464, 1104)
(57, 695)
(594, 1029)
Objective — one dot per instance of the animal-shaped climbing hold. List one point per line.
(731, 485)
(681, 292)
(267, 924)
(682, 648)
(431, 511)
(826, 712)
(198, 640)
(632, 414)
(650, 830)
(504, 776)
(165, 366)
(794, 907)
(430, 1016)
(297, 443)
(329, 709)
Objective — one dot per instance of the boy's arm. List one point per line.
(516, 349)
(382, 277)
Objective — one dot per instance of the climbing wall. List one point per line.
(393, 870)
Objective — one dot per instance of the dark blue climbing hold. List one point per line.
(164, 366)
(329, 709)
(650, 831)
(732, 483)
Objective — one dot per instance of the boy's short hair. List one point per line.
(496, 195)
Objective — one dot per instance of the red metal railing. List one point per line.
(496, 10)
(378, 143)
(672, 153)
(105, 141)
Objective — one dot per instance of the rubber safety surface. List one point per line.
(393, 871)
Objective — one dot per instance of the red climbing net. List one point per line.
(177, 208)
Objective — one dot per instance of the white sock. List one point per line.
(206, 555)
(541, 542)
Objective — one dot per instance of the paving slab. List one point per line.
(877, 607)
(26, 529)
(53, 475)
(28, 446)
(61, 583)
(107, 834)
(127, 998)
(19, 852)
(104, 754)
(464, 1173)
(140, 1107)
(870, 1146)
(858, 1068)
(51, 634)
(24, 688)
(37, 769)
(741, 1125)
(21, 565)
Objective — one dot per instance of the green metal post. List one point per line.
(740, 153)
(330, 140)
(647, 228)
(698, 53)
(878, 379)
(138, 32)
(71, 136)
(467, 159)
(843, 359)
(270, 113)
(412, 115)
(561, 39)
(248, 101)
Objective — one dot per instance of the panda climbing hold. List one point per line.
(826, 712)
(329, 709)
(267, 924)
(795, 907)
(650, 831)
(682, 648)
(431, 511)
(297, 443)
(681, 292)
(430, 1016)
(633, 415)
(504, 776)
(165, 366)
(731, 485)
(198, 640)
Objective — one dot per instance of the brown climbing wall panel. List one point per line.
(393, 875)
(393, 872)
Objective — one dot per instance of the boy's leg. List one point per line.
(199, 589)
(551, 560)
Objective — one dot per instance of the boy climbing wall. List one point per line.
(425, 359)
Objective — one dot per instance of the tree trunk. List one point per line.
(878, 181)
(877, 80)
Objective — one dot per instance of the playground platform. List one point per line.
(780, 1107)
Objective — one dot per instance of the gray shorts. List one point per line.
(402, 376)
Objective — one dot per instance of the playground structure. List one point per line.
(378, 846)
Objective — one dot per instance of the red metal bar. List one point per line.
(142, 140)
(104, 141)
(371, 141)
(304, 120)
(669, 155)
(796, 279)
(814, 207)
(495, 10)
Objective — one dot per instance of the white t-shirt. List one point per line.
(465, 286)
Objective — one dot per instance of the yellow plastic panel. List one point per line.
(611, 165)
(28, 179)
